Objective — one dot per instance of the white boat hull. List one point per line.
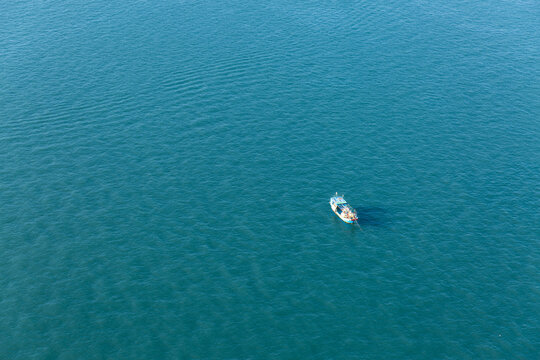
(342, 209)
(347, 220)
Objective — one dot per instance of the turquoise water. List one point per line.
(166, 168)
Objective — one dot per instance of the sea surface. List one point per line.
(166, 166)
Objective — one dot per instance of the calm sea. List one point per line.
(166, 166)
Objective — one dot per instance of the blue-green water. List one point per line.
(165, 170)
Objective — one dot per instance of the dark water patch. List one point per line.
(372, 216)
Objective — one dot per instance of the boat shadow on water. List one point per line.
(372, 216)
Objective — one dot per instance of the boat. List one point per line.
(342, 209)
